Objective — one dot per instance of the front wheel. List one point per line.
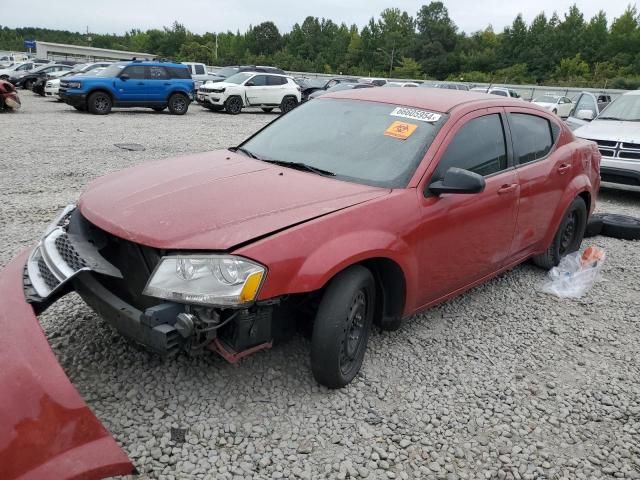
(342, 326)
(568, 238)
(28, 84)
(233, 105)
(288, 104)
(99, 103)
(178, 104)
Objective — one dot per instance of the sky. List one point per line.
(200, 16)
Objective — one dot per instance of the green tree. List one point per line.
(408, 68)
(436, 40)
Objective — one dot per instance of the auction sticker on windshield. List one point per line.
(400, 130)
(416, 114)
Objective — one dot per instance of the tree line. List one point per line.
(566, 50)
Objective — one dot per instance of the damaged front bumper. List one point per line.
(46, 429)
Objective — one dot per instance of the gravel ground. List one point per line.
(503, 382)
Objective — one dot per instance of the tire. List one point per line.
(594, 226)
(342, 326)
(288, 104)
(267, 109)
(158, 109)
(28, 84)
(623, 227)
(99, 103)
(178, 104)
(233, 105)
(568, 238)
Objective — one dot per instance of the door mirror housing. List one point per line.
(250, 84)
(585, 115)
(124, 76)
(458, 180)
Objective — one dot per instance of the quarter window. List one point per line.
(532, 137)
(199, 70)
(479, 146)
(273, 80)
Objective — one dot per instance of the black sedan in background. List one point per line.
(28, 78)
(340, 86)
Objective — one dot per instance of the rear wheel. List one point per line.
(99, 103)
(28, 84)
(178, 104)
(569, 236)
(288, 104)
(342, 326)
(233, 105)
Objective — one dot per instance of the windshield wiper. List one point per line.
(609, 118)
(301, 166)
(248, 153)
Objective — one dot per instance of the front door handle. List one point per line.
(508, 188)
(140, 83)
(564, 168)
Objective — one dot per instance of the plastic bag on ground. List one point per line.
(576, 273)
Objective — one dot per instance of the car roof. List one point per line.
(632, 92)
(427, 99)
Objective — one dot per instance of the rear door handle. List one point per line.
(508, 188)
(564, 168)
(140, 83)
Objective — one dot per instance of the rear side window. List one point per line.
(199, 69)
(177, 72)
(499, 92)
(276, 81)
(532, 137)
(158, 73)
(479, 146)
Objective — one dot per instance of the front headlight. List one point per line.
(218, 90)
(216, 280)
(74, 84)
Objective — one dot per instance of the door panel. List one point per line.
(463, 237)
(543, 180)
(157, 83)
(258, 93)
(135, 87)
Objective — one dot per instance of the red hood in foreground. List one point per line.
(46, 429)
(212, 201)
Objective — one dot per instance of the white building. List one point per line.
(60, 51)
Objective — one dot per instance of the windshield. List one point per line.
(546, 99)
(341, 86)
(359, 141)
(239, 78)
(112, 70)
(79, 67)
(227, 72)
(625, 107)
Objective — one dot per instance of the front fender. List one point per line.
(351, 248)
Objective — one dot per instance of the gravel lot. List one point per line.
(503, 382)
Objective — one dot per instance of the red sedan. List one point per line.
(360, 207)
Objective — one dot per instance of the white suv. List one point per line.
(616, 130)
(250, 89)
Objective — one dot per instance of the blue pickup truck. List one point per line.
(154, 84)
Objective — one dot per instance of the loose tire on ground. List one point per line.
(288, 104)
(594, 226)
(568, 238)
(623, 227)
(233, 105)
(342, 326)
(99, 103)
(178, 104)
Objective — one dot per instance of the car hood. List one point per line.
(616, 131)
(222, 84)
(544, 104)
(212, 201)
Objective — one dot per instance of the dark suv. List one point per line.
(153, 84)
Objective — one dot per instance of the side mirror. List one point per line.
(457, 180)
(124, 76)
(249, 84)
(585, 115)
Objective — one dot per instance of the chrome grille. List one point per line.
(48, 277)
(69, 254)
(621, 150)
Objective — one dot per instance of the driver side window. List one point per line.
(258, 81)
(479, 146)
